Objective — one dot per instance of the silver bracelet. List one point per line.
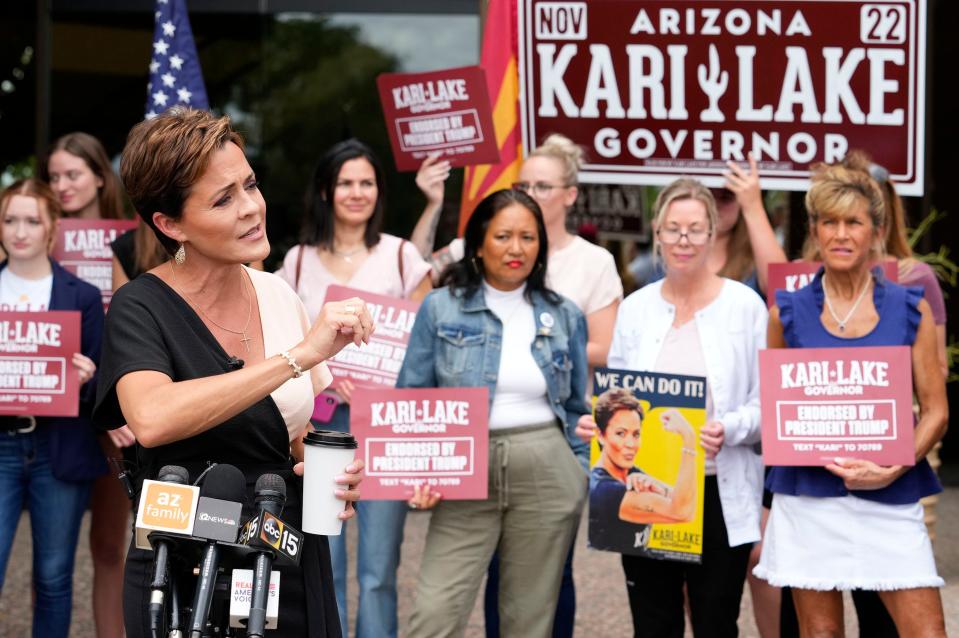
(689, 451)
(297, 370)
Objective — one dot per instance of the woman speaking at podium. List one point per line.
(207, 360)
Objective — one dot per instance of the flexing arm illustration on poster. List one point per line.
(645, 500)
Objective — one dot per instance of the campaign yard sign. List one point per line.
(793, 275)
(821, 403)
(445, 113)
(83, 248)
(654, 90)
(377, 363)
(37, 377)
(647, 467)
(437, 437)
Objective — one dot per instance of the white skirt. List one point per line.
(846, 543)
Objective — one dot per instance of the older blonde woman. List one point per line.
(855, 525)
(207, 360)
(694, 322)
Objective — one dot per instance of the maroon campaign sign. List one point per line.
(655, 90)
(822, 403)
(377, 363)
(37, 377)
(83, 248)
(433, 436)
(793, 275)
(444, 113)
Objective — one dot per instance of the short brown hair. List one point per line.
(165, 156)
(612, 401)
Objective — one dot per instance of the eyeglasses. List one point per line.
(539, 190)
(696, 236)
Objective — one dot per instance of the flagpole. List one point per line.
(41, 137)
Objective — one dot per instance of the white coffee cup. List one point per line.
(326, 455)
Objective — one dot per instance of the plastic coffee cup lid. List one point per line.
(330, 438)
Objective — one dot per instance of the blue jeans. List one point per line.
(380, 536)
(56, 508)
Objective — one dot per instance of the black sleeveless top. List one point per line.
(150, 327)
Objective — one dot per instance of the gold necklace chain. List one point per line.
(249, 313)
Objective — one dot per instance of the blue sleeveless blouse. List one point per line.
(899, 317)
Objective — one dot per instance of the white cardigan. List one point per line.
(732, 330)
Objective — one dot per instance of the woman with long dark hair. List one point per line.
(78, 170)
(497, 325)
(343, 244)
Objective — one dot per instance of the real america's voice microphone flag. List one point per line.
(175, 76)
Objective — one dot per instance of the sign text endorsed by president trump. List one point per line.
(378, 362)
(436, 436)
(823, 403)
(37, 377)
(660, 89)
(83, 248)
(445, 113)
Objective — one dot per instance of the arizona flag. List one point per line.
(500, 60)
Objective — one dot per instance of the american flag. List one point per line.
(175, 76)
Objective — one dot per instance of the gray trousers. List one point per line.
(537, 491)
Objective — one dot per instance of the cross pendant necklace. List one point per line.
(249, 313)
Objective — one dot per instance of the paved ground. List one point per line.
(603, 609)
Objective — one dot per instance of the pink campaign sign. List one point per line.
(424, 436)
(793, 275)
(37, 377)
(822, 403)
(83, 248)
(377, 363)
(445, 113)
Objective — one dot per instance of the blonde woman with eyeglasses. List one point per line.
(694, 322)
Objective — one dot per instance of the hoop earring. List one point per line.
(475, 265)
(180, 255)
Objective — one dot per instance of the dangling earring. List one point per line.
(180, 255)
(475, 265)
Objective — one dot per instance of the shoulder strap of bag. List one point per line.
(399, 259)
(299, 267)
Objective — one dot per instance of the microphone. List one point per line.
(270, 498)
(166, 506)
(179, 476)
(222, 493)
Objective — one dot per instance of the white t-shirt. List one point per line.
(520, 397)
(24, 295)
(586, 274)
(583, 272)
(682, 353)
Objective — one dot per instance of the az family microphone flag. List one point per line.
(175, 76)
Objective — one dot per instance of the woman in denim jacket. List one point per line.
(497, 325)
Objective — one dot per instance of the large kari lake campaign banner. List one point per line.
(654, 90)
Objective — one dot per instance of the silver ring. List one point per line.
(349, 309)
(413, 506)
